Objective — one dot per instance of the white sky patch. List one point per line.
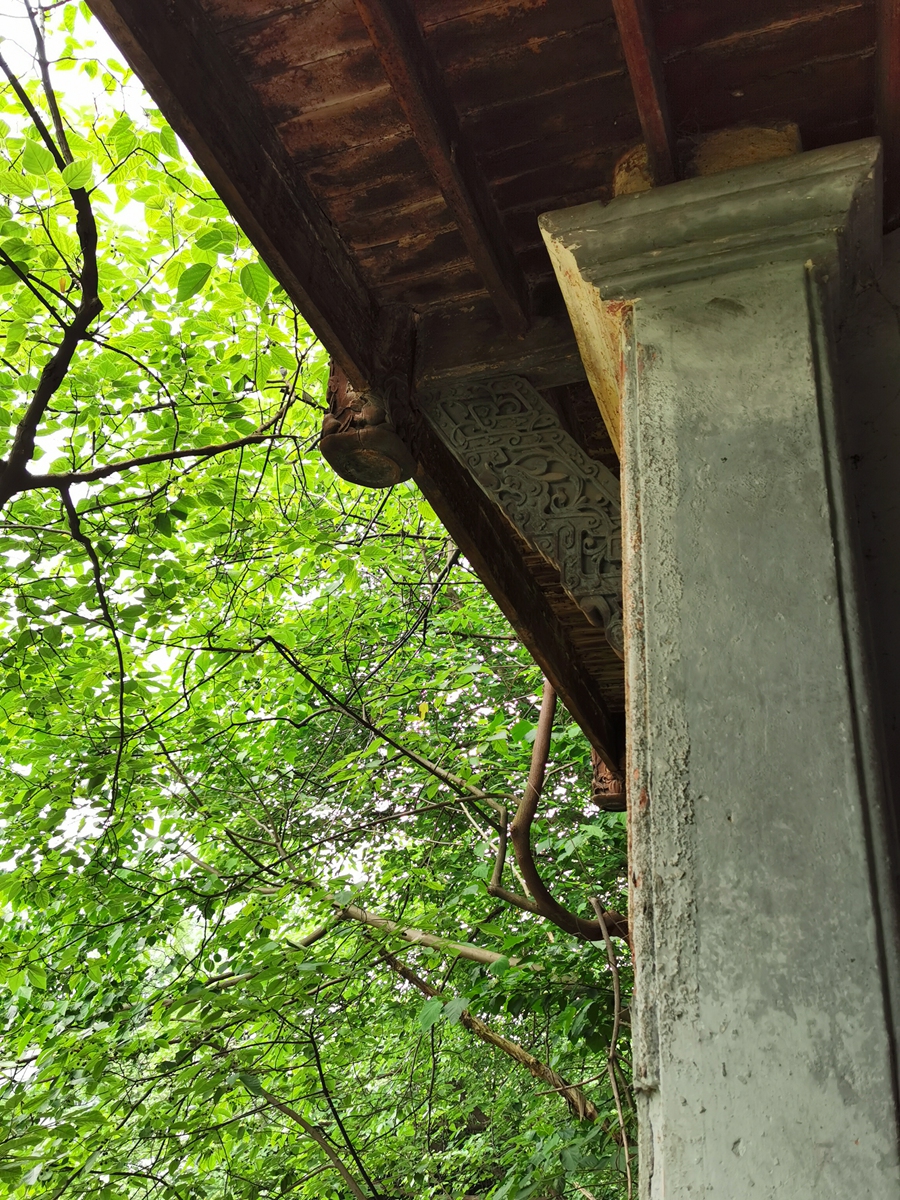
(78, 89)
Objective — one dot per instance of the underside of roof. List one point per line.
(390, 159)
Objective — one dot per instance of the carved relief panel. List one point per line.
(563, 503)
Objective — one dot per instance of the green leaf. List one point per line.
(78, 174)
(251, 1083)
(37, 159)
(191, 280)
(454, 1009)
(256, 281)
(210, 240)
(169, 142)
(430, 1013)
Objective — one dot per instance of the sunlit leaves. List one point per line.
(175, 826)
(255, 280)
(37, 159)
(78, 174)
(191, 280)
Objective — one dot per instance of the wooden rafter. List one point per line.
(888, 105)
(198, 85)
(422, 94)
(639, 47)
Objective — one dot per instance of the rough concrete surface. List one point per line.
(870, 410)
(764, 920)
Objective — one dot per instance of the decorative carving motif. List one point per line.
(563, 503)
(358, 440)
(607, 786)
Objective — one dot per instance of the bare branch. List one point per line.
(419, 938)
(578, 1103)
(520, 832)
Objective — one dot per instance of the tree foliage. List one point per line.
(255, 724)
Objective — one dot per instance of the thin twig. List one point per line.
(318, 1137)
(66, 479)
(454, 781)
(48, 86)
(612, 1055)
(85, 542)
(578, 1103)
(326, 1091)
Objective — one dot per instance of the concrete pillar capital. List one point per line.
(821, 208)
(824, 206)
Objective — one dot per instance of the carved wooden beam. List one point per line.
(888, 105)
(636, 31)
(496, 554)
(174, 49)
(420, 89)
(564, 504)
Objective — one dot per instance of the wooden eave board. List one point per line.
(544, 97)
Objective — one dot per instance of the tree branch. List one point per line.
(13, 472)
(85, 542)
(48, 86)
(578, 1103)
(419, 938)
(520, 832)
(454, 781)
(326, 1091)
(68, 478)
(318, 1137)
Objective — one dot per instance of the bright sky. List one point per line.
(18, 49)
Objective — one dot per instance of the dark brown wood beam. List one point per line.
(638, 44)
(496, 554)
(888, 105)
(419, 87)
(469, 342)
(174, 49)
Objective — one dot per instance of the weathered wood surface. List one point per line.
(888, 105)
(635, 24)
(419, 87)
(539, 92)
(544, 100)
(345, 176)
(199, 87)
(572, 653)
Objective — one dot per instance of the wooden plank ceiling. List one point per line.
(390, 159)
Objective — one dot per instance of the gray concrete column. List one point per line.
(762, 906)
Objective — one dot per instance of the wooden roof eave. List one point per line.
(202, 93)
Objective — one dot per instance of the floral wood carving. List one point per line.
(562, 502)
